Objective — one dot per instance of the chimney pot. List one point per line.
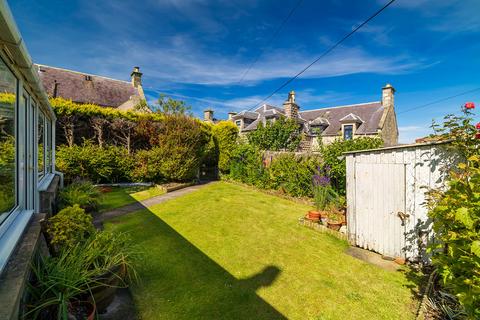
(136, 77)
(208, 115)
(290, 107)
(388, 93)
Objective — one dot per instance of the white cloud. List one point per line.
(449, 16)
(179, 59)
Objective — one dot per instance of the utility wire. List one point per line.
(438, 101)
(325, 53)
(275, 34)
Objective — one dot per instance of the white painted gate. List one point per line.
(380, 194)
(386, 198)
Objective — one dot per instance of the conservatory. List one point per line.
(28, 181)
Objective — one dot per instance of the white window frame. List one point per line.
(27, 184)
(13, 226)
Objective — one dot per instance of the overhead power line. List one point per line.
(439, 100)
(273, 37)
(325, 53)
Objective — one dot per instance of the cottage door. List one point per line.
(380, 207)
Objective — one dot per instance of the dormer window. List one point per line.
(238, 123)
(348, 131)
(350, 123)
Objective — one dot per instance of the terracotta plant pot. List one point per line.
(81, 310)
(314, 215)
(334, 225)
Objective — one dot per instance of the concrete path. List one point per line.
(372, 258)
(140, 205)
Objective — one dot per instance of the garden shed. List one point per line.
(386, 194)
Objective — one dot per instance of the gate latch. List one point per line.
(403, 216)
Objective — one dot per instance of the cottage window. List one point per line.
(348, 132)
(238, 123)
(8, 141)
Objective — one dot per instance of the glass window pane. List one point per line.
(8, 85)
(40, 146)
(348, 132)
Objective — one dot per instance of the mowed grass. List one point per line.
(121, 196)
(230, 252)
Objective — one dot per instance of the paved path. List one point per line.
(145, 203)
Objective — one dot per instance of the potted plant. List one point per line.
(335, 219)
(323, 194)
(114, 254)
(60, 286)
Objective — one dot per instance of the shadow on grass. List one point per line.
(179, 281)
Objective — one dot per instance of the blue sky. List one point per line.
(198, 50)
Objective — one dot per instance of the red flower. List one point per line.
(477, 135)
(469, 105)
(477, 126)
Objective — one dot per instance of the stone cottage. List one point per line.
(87, 88)
(324, 125)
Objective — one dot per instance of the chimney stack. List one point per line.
(231, 114)
(387, 96)
(290, 107)
(208, 115)
(136, 77)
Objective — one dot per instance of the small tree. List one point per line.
(123, 131)
(67, 123)
(168, 106)
(280, 135)
(98, 125)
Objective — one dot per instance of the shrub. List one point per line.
(83, 193)
(225, 135)
(332, 155)
(293, 174)
(178, 150)
(69, 227)
(456, 216)
(282, 134)
(247, 166)
(94, 163)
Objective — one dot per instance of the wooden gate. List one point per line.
(380, 194)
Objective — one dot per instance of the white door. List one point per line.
(379, 202)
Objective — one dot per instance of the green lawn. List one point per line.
(121, 196)
(229, 252)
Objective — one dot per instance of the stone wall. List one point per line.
(389, 132)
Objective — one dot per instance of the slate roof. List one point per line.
(367, 115)
(370, 113)
(86, 88)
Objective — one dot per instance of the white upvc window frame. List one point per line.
(13, 226)
(28, 185)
